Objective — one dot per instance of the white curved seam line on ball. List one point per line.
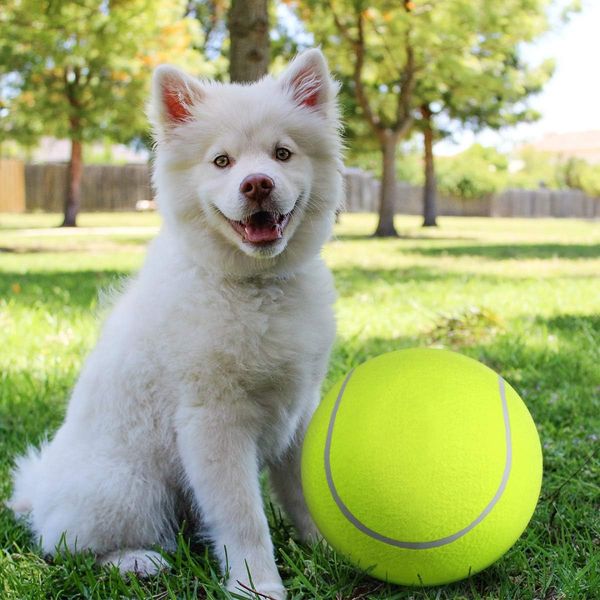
(433, 543)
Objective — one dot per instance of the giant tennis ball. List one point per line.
(422, 466)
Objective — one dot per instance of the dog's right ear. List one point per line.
(174, 94)
(308, 81)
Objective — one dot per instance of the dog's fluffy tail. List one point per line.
(26, 475)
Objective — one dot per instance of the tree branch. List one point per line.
(361, 96)
(404, 120)
(341, 27)
(358, 45)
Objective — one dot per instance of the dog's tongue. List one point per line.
(262, 227)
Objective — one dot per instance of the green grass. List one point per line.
(523, 296)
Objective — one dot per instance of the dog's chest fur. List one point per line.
(254, 345)
(261, 331)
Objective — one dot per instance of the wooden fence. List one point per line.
(12, 186)
(118, 188)
(103, 187)
(545, 203)
(362, 195)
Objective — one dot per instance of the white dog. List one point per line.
(210, 365)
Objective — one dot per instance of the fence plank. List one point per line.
(12, 186)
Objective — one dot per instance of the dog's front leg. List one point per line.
(218, 448)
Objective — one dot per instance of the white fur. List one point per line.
(210, 365)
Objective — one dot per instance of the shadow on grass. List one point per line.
(564, 372)
(79, 245)
(402, 236)
(573, 323)
(19, 227)
(515, 251)
(53, 289)
(354, 280)
(23, 250)
(357, 278)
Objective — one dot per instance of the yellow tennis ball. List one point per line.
(422, 466)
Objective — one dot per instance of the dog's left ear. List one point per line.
(308, 80)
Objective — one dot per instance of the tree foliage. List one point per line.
(81, 70)
(578, 174)
(548, 170)
(460, 56)
(211, 17)
(88, 61)
(475, 173)
(480, 171)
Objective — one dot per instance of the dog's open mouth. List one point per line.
(262, 227)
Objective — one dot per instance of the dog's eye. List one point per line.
(282, 153)
(222, 161)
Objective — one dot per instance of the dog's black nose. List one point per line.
(257, 187)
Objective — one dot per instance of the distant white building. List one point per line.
(52, 150)
(576, 144)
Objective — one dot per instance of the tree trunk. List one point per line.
(387, 198)
(249, 38)
(73, 200)
(429, 189)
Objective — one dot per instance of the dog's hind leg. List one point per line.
(284, 475)
(141, 562)
(80, 497)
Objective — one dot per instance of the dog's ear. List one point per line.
(173, 95)
(307, 79)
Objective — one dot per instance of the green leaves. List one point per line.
(465, 56)
(82, 69)
(476, 173)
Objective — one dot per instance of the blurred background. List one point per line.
(450, 107)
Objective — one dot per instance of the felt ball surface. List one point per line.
(422, 466)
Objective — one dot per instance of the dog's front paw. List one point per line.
(269, 590)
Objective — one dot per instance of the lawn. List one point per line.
(523, 296)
